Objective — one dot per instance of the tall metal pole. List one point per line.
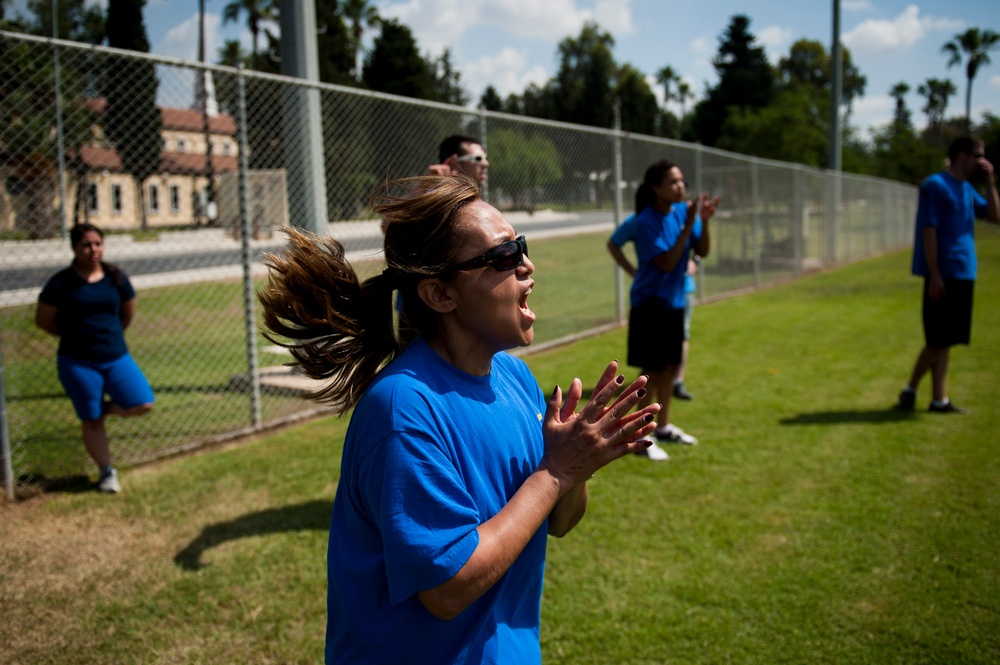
(303, 119)
(836, 91)
(60, 148)
(832, 176)
(203, 93)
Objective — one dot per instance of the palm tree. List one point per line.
(976, 46)
(231, 53)
(361, 15)
(937, 92)
(901, 117)
(684, 93)
(257, 11)
(666, 77)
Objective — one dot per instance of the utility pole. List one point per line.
(303, 126)
(836, 91)
(204, 90)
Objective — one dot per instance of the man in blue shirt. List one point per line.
(944, 254)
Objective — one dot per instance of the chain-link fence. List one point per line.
(191, 169)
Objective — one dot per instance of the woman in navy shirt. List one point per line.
(88, 306)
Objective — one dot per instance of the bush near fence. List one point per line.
(190, 229)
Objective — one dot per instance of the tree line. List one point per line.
(772, 111)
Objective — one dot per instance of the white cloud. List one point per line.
(505, 71)
(995, 82)
(872, 111)
(437, 24)
(897, 35)
(774, 39)
(615, 16)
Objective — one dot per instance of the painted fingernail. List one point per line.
(646, 443)
(620, 378)
(555, 390)
(648, 418)
(641, 392)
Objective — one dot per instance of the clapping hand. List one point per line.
(577, 444)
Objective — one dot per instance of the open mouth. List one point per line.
(523, 304)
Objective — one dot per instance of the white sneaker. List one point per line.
(674, 434)
(109, 483)
(654, 452)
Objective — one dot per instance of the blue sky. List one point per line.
(509, 43)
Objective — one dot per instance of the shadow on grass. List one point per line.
(32, 485)
(872, 416)
(310, 515)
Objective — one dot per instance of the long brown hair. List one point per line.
(644, 195)
(340, 329)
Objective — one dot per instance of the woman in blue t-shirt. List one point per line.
(88, 306)
(455, 466)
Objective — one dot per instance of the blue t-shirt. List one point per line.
(951, 206)
(431, 453)
(656, 233)
(625, 233)
(88, 315)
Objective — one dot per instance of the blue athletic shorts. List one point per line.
(86, 383)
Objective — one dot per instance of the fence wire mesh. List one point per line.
(191, 170)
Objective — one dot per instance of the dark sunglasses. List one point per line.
(505, 256)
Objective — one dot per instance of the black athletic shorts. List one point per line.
(655, 336)
(949, 320)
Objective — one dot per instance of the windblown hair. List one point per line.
(76, 235)
(340, 329)
(644, 195)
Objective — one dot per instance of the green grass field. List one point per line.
(812, 524)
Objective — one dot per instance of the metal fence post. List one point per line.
(798, 219)
(482, 139)
(6, 468)
(699, 278)
(60, 144)
(616, 137)
(755, 235)
(253, 369)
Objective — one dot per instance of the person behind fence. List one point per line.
(944, 254)
(667, 229)
(455, 466)
(460, 154)
(88, 306)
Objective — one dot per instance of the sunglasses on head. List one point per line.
(505, 256)
(471, 158)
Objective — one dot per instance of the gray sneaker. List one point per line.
(109, 482)
(674, 434)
